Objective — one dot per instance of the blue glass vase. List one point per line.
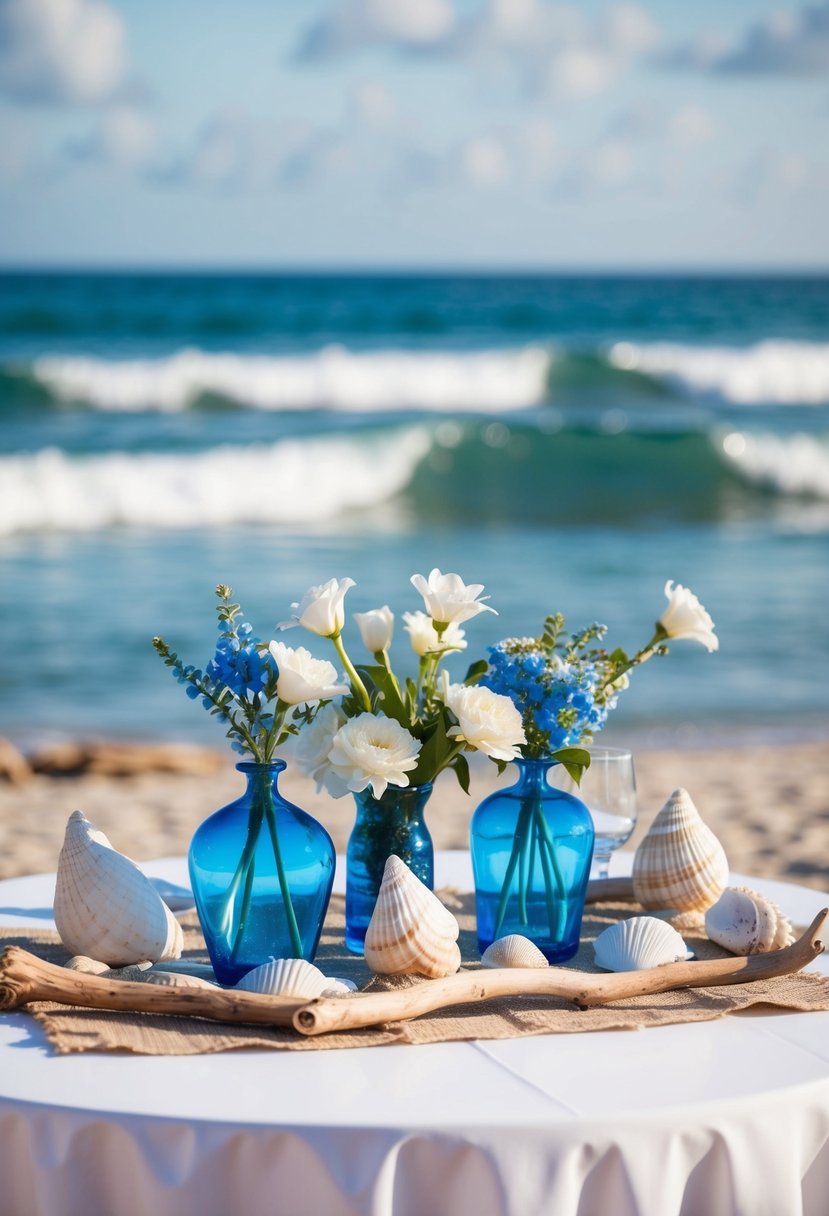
(531, 846)
(261, 871)
(392, 823)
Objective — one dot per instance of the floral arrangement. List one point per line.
(565, 685)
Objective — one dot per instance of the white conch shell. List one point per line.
(286, 977)
(745, 922)
(514, 950)
(410, 931)
(105, 907)
(638, 943)
(680, 863)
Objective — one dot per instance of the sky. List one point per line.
(414, 133)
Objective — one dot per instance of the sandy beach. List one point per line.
(769, 807)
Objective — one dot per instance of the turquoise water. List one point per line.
(569, 442)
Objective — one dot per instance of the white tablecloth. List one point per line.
(727, 1117)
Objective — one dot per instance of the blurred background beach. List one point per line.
(539, 417)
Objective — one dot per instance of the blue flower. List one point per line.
(238, 664)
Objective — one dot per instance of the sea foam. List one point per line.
(787, 464)
(291, 482)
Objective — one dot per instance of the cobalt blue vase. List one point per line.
(390, 824)
(261, 871)
(531, 847)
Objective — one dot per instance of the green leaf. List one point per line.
(475, 672)
(436, 748)
(461, 766)
(576, 760)
(392, 703)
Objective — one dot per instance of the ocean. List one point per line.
(569, 441)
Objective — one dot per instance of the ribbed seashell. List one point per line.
(745, 922)
(680, 863)
(514, 950)
(410, 931)
(337, 987)
(88, 966)
(105, 907)
(638, 943)
(286, 977)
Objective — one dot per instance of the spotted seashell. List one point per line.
(680, 863)
(410, 931)
(745, 922)
(637, 944)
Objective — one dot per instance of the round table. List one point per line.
(730, 1116)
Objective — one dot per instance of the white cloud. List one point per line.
(484, 161)
(373, 106)
(690, 124)
(352, 25)
(785, 43)
(60, 51)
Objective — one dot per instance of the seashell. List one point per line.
(286, 977)
(176, 979)
(513, 951)
(105, 907)
(134, 972)
(680, 863)
(410, 931)
(89, 966)
(745, 922)
(339, 988)
(637, 944)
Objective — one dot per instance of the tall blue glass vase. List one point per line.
(261, 871)
(392, 823)
(531, 846)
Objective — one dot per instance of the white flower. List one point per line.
(448, 598)
(424, 637)
(685, 617)
(487, 721)
(373, 750)
(302, 678)
(314, 744)
(376, 628)
(321, 608)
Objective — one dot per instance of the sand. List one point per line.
(769, 807)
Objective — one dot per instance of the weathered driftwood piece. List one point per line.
(582, 988)
(108, 759)
(25, 978)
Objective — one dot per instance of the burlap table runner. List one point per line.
(70, 1030)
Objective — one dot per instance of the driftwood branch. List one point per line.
(25, 978)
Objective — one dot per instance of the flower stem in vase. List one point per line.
(293, 928)
(244, 870)
(552, 872)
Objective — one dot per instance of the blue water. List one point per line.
(570, 442)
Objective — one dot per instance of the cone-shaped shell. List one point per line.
(680, 863)
(638, 943)
(745, 922)
(514, 950)
(286, 977)
(410, 931)
(105, 907)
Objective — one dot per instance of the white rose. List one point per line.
(376, 628)
(448, 598)
(302, 678)
(314, 744)
(424, 637)
(321, 608)
(685, 617)
(487, 721)
(373, 750)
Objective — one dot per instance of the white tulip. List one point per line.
(321, 608)
(685, 617)
(448, 599)
(302, 678)
(425, 638)
(371, 750)
(487, 721)
(314, 744)
(376, 628)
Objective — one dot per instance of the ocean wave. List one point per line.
(333, 378)
(796, 465)
(771, 372)
(291, 482)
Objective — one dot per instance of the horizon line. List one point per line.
(411, 270)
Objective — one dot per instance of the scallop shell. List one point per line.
(410, 931)
(745, 922)
(638, 943)
(680, 863)
(513, 951)
(286, 977)
(339, 988)
(88, 966)
(105, 907)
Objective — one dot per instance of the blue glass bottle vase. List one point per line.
(392, 823)
(531, 846)
(261, 871)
